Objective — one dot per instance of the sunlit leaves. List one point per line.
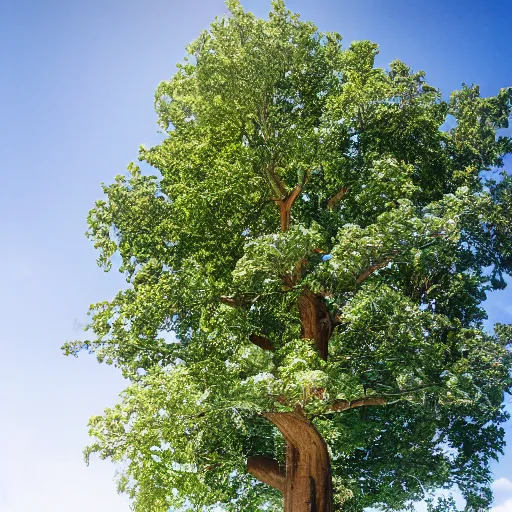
(399, 229)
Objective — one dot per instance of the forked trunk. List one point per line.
(306, 482)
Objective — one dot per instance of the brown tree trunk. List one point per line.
(316, 322)
(306, 483)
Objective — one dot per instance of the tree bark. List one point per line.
(307, 485)
(262, 342)
(267, 470)
(316, 322)
(286, 207)
(336, 198)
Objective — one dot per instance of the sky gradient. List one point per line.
(76, 102)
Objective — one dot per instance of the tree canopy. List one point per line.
(316, 241)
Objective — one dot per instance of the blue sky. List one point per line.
(76, 98)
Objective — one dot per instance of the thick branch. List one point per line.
(262, 342)
(234, 302)
(371, 270)
(267, 470)
(294, 426)
(336, 198)
(343, 405)
(287, 203)
(383, 399)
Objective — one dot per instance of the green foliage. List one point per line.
(403, 258)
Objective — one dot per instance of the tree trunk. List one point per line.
(316, 322)
(307, 482)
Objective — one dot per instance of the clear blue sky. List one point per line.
(76, 97)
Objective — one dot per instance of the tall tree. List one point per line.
(303, 314)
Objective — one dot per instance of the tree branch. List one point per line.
(369, 271)
(383, 399)
(275, 181)
(336, 198)
(262, 342)
(290, 280)
(234, 302)
(287, 203)
(266, 470)
(343, 405)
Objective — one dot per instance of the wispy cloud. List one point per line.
(505, 507)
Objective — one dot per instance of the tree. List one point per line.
(303, 314)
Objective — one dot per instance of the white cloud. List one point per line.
(502, 485)
(505, 507)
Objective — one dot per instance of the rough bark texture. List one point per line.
(267, 470)
(308, 479)
(316, 321)
(306, 483)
